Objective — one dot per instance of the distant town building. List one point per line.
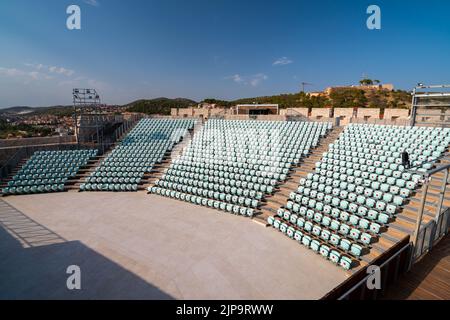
(316, 94)
(387, 87)
(204, 105)
(61, 131)
(257, 109)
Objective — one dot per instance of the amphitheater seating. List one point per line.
(48, 171)
(143, 147)
(358, 187)
(231, 165)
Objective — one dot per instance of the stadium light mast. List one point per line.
(86, 99)
(305, 84)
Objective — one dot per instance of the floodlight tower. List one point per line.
(86, 99)
(305, 84)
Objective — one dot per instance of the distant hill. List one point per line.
(17, 110)
(8, 130)
(158, 105)
(284, 100)
(288, 100)
(24, 110)
(338, 98)
(344, 97)
(55, 110)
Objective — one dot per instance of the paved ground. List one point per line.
(138, 246)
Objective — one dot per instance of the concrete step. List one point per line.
(261, 220)
(281, 195)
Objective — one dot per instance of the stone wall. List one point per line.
(8, 143)
(295, 112)
(393, 114)
(345, 114)
(368, 113)
(320, 113)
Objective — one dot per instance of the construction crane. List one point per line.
(305, 84)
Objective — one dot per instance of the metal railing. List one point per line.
(292, 114)
(430, 234)
(425, 236)
(125, 127)
(389, 271)
(218, 115)
(426, 98)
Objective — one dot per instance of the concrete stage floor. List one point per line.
(139, 246)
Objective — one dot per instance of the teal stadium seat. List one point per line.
(240, 162)
(48, 171)
(143, 147)
(360, 185)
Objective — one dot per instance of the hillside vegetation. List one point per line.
(338, 98)
(159, 105)
(33, 111)
(22, 130)
(288, 100)
(345, 97)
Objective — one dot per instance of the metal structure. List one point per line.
(305, 84)
(293, 115)
(87, 99)
(423, 239)
(425, 236)
(389, 271)
(430, 105)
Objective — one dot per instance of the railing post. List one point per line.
(441, 196)
(419, 216)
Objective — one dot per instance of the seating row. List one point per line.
(143, 147)
(48, 171)
(360, 184)
(239, 162)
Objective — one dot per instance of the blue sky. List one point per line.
(214, 48)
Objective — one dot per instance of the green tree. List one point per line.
(366, 82)
(348, 98)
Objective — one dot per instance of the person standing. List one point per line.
(405, 160)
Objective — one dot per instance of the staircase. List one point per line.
(405, 221)
(159, 169)
(394, 233)
(403, 226)
(73, 184)
(4, 182)
(307, 165)
(279, 199)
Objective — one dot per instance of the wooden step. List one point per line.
(402, 226)
(429, 207)
(414, 211)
